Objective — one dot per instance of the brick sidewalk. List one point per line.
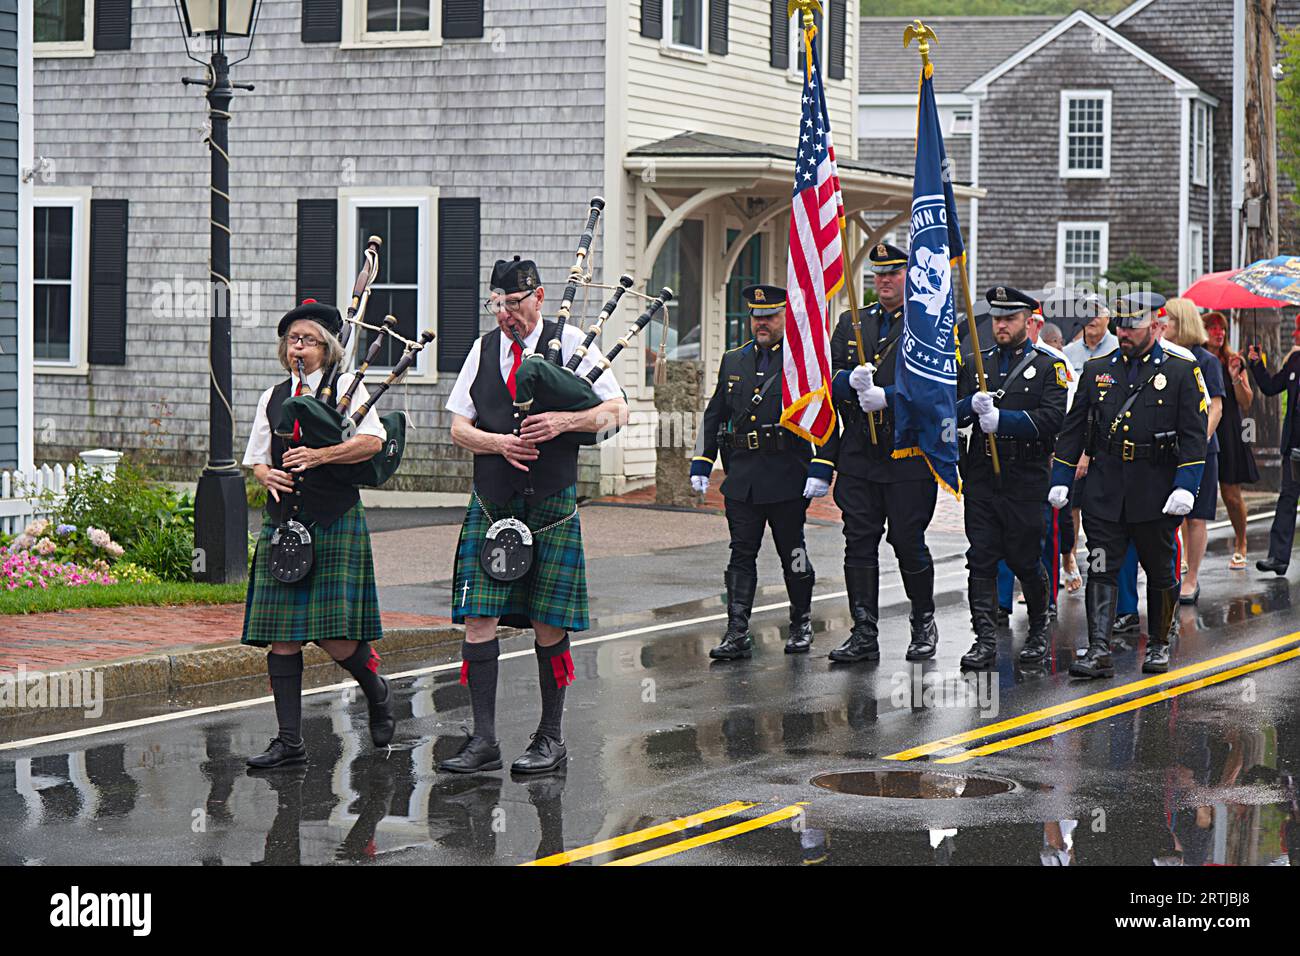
(65, 638)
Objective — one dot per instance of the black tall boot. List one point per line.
(864, 604)
(1036, 603)
(919, 587)
(983, 593)
(800, 588)
(1162, 625)
(1100, 601)
(737, 643)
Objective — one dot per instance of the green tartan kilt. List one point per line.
(554, 592)
(337, 600)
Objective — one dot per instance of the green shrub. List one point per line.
(166, 550)
(124, 507)
(128, 572)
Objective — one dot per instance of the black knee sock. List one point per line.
(364, 666)
(286, 686)
(554, 673)
(478, 669)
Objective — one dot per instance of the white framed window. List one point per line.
(63, 28)
(60, 278)
(1085, 134)
(797, 50)
(1082, 253)
(962, 123)
(685, 25)
(1195, 252)
(391, 23)
(406, 219)
(1200, 143)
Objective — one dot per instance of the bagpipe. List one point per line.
(542, 383)
(324, 421)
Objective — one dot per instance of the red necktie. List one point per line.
(297, 430)
(518, 354)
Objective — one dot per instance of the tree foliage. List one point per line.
(1288, 111)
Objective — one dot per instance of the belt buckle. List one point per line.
(751, 441)
(1130, 451)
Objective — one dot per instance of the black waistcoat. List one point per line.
(495, 479)
(324, 498)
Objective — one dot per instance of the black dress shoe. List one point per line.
(1126, 623)
(1157, 658)
(1271, 564)
(543, 754)
(859, 646)
(800, 638)
(382, 722)
(477, 753)
(279, 754)
(734, 647)
(980, 657)
(925, 640)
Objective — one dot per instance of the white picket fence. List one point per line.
(21, 492)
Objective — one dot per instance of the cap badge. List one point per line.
(1001, 294)
(760, 296)
(881, 251)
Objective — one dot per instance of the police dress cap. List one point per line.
(514, 275)
(1136, 310)
(886, 257)
(1004, 300)
(326, 316)
(763, 299)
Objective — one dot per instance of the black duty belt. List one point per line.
(1013, 449)
(764, 438)
(1131, 451)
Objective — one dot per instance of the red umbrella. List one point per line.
(1216, 291)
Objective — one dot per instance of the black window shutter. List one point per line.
(318, 247)
(718, 15)
(107, 330)
(458, 277)
(652, 19)
(780, 35)
(462, 19)
(322, 21)
(112, 24)
(839, 23)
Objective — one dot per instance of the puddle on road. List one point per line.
(913, 784)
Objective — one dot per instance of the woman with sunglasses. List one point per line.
(336, 605)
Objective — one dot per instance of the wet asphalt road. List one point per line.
(658, 734)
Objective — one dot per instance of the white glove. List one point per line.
(873, 399)
(1180, 502)
(700, 483)
(1058, 496)
(981, 403)
(989, 422)
(860, 377)
(815, 487)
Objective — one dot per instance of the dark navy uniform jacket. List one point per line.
(1170, 401)
(1030, 414)
(759, 477)
(857, 456)
(1286, 378)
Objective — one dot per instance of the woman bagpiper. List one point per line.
(336, 605)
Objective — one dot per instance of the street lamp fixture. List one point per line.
(221, 504)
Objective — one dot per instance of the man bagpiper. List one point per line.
(772, 475)
(337, 605)
(531, 477)
(875, 491)
(1140, 415)
(1022, 411)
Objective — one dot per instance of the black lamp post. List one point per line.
(221, 505)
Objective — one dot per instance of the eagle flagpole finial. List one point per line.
(806, 7)
(918, 30)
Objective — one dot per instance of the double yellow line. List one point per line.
(1170, 682)
(671, 827)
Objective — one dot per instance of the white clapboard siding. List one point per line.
(20, 494)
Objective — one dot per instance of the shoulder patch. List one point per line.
(1062, 376)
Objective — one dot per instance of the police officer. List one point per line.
(1140, 415)
(1022, 411)
(1285, 379)
(875, 491)
(772, 475)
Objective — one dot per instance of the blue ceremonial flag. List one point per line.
(925, 416)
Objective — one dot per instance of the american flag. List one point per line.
(814, 266)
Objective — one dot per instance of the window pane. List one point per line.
(398, 227)
(52, 322)
(53, 238)
(748, 270)
(397, 302)
(381, 16)
(414, 15)
(1082, 263)
(687, 22)
(1086, 134)
(678, 267)
(59, 21)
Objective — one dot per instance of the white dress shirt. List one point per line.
(459, 401)
(258, 451)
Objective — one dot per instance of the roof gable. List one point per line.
(1082, 17)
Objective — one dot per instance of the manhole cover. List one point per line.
(912, 784)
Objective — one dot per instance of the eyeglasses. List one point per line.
(495, 304)
(309, 341)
